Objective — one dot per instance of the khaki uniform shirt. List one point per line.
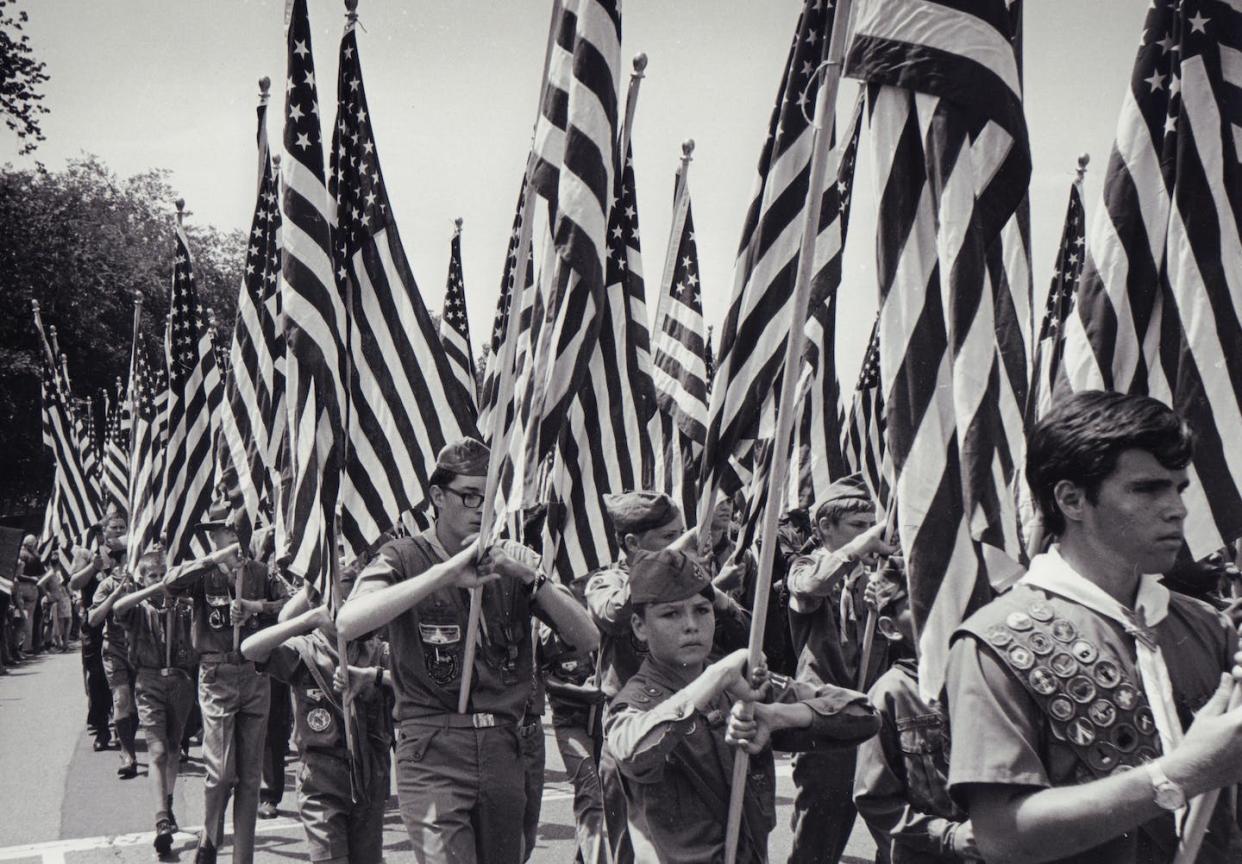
(149, 636)
(212, 594)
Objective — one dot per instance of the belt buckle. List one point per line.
(166, 672)
(483, 720)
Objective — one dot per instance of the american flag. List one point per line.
(404, 399)
(752, 342)
(78, 506)
(680, 356)
(116, 450)
(314, 320)
(1047, 369)
(1160, 300)
(145, 478)
(817, 459)
(455, 324)
(253, 416)
(195, 392)
(575, 138)
(953, 165)
(862, 434)
(606, 444)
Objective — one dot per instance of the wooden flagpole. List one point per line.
(825, 116)
(499, 442)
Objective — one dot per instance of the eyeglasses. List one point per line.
(468, 499)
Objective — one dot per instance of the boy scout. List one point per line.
(110, 563)
(1069, 693)
(343, 818)
(163, 659)
(826, 588)
(642, 522)
(232, 693)
(460, 777)
(901, 787)
(667, 725)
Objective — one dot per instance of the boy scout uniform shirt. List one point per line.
(428, 641)
(1080, 710)
(146, 626)
(212, 594)
(678, 767)
(115, 639)
(621, 653)
(901, 787)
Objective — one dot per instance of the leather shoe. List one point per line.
(128, 769)
(163, 836)
(267, 810)
(101, 744)
(205, 854)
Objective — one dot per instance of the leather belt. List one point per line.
(478, 720)
(234, 657)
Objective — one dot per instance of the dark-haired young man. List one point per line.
(1068, 695)
(826, 618)
(642, 522)
(460, 777)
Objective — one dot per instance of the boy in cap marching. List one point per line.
(826, 591)
(643, 522)
(232, 692)
(460, 776)
(671, 726)
(343, 815)
(163, 658)
(901, 787)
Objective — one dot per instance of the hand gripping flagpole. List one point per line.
(498, 440)
(825, 115)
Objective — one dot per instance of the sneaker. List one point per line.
(163, 836)
(267, 810)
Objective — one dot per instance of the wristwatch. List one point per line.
(1167, 794)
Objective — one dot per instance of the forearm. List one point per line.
(816, 580)
(261, 645)
(129, 601)
(78, 580)
(369, 611)
(99, 612)
(1054, 823)
(568, 617)
(297, 604)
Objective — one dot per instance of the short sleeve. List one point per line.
(384, 570)
(285, 663)
(994, 723)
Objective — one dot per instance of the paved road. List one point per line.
(62, 802)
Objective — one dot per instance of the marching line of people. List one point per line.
(1084, 707)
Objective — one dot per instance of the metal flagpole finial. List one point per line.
(351, 12)
(265, 86)
(138, 299)
(457, 222)
(687, 149)
(34, 304)
(180, 209)
(640, 64)
(276, 161)
(1082, 166)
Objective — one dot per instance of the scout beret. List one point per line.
(666, 576)
(851, 488)
(634, 512)
(465, 457)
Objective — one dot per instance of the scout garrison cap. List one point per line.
(635, 512)
(666, 576)
(464, 457)
(851, 488)
(219, 515)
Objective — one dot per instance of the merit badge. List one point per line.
(1019, 621)
(1061, 708)
(1145, 754)
(318, 719)
(1102, 713)
(1144, 721)
(998, 636)
(1063, 630)
(1080, 732)
(1127, 697)
(1040, 611)
(1064, 665)
(1042, 681)
(1021, 658)
(1124, 737)
(1106, 674)
(1039, 642)
(1081, 689)
(1101, 756)
(1084, 651)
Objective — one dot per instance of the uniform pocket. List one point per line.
(412, 747)
(925, 751)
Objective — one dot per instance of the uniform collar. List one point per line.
(1053, 573)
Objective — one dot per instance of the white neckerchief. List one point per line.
(1052, 573)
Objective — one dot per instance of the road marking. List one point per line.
(54, 851)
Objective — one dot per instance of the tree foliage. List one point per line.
(84, 243)
(20, 78)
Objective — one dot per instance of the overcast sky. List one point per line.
(452, 87)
